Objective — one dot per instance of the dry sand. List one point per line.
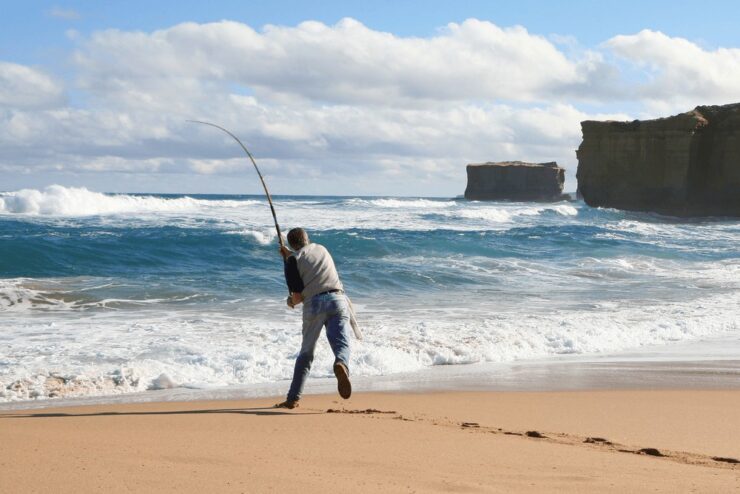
(432, 442)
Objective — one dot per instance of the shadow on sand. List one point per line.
(264, 411)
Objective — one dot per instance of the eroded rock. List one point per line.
(684, 165)
(515, 181)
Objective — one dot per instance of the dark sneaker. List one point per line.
(291, 404)
(343, 385)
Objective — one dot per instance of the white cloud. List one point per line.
(677, 73)
(338, 109)
(344, 63)
(334, 144)
(66, 14)
(25, 87)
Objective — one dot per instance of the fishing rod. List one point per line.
(353, 319)
(264, 185)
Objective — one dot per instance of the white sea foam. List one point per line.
(411, 203)
(259, 236)
(156, 351)
(72, 201)
(510, 212)
(497, 215)
(56, 200)
(23, 295)
(563, 209)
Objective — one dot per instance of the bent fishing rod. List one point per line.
(264, 185)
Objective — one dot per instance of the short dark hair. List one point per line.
(297, 238)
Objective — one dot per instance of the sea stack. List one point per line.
(515, 181)
(684, 165)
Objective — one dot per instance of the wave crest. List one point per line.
(259, 236)
(503, 214)
(57, 200)
(403, 203)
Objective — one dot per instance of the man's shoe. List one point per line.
(343, 385)
(290, 404)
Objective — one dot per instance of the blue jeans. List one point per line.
(330, 310)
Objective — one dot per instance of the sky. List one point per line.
(338, 98)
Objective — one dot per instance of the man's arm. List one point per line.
(293, 279)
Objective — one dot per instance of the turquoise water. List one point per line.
(110, 294)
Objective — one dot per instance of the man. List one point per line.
(313, 280)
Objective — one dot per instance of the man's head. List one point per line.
(297, 238)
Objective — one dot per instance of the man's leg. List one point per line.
(312, 325)
(337, 332)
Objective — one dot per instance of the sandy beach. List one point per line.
(384, 442)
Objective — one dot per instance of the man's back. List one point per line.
(317, 270)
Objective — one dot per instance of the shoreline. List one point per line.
(575, 441)
(582, 373)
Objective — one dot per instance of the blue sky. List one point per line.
(365, 106)
(31, 33)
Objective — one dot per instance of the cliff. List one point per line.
(515, 180)
(685, 165)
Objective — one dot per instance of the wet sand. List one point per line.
(483, 441)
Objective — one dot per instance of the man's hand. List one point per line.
(285, 252)
(294, 299)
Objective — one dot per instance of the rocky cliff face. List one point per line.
(685, 165)
(515, 180)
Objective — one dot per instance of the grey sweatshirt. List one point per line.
(316, 269)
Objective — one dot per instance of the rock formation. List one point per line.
(515, 181)
(685, 165)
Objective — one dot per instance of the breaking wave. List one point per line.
(412, 203)
(56, 200)
(155, 352)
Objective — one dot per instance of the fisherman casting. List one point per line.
(313, 280)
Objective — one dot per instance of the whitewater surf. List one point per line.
(108, 294)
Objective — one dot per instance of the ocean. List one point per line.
(115, 294)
